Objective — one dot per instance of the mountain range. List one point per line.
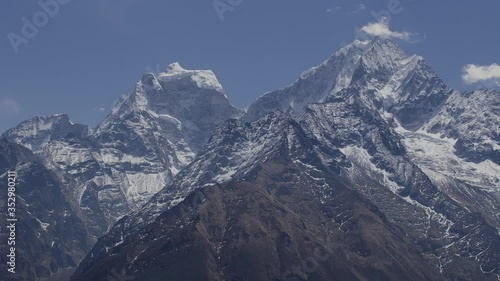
(367, 167)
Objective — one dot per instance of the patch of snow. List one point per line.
(42, 224)
(436, 156)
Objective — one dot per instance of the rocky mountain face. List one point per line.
(381, 170)
(472, 120)
(458, 150)
(403, 85)
(265, 227)
(368, 167)
(371, 164)
(50, 238)
(75, 161)
(350, 123)
(151, 134)
(157, 129)
(37, 133)
(273, 210)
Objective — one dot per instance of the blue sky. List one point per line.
(89, 53)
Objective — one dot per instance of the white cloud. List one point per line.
(489, 74)
(382, 29)
(9, 106)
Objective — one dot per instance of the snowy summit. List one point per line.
(204, 79)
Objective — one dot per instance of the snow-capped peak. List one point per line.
(174, 67)
(35, 132)
(355, 49)
(204, 79)
(379, 50)
(362, 45)
(382, 53)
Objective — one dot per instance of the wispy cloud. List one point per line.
(488, 75)
(381, 28)
(329, 10)
(9, 106)
(360, 7)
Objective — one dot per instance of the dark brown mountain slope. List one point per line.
(269, 227)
